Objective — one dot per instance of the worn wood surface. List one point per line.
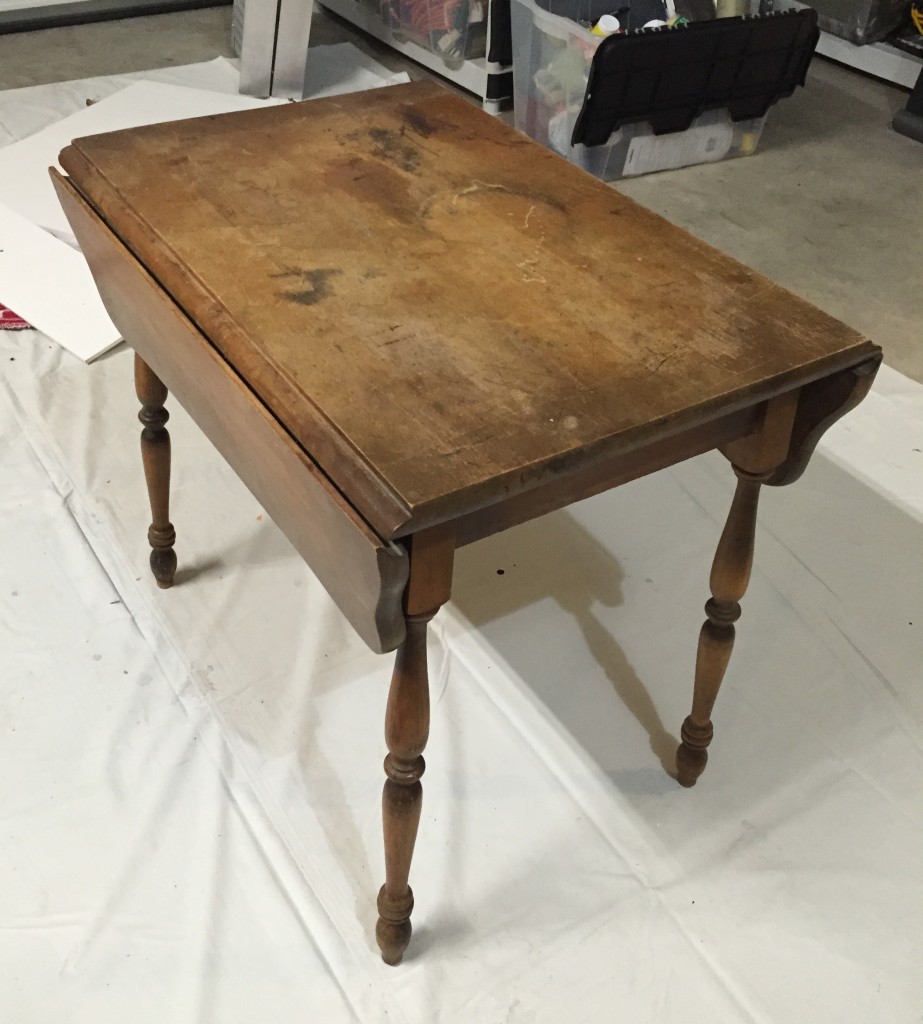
(364, 574)
(155, 456)
(442, 312)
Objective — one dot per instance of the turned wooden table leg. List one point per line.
(730, 575)
(155, 453)
(406, 732)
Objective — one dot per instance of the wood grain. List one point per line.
(364, 574)
(768, 445)
(444, 313)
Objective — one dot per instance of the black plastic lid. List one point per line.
(668, 76)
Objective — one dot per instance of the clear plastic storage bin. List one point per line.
(551, 65)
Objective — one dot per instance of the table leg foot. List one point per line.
(155, 453)
(692, 755)
(730, 575)
(394, 929)
(163, 557)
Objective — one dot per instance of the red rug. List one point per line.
(9, 321)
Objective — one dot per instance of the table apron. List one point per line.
(610, 472)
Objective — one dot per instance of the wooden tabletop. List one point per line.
(440, 311)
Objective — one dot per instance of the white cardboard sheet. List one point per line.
(49, 284)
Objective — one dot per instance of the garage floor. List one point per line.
(826, 207)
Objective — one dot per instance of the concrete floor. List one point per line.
(826, 206)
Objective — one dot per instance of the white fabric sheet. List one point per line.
(560, 872)
(189, 780)
(131, 887)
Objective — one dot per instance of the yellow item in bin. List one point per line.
(916, 16)
(607, 25)
(748, 143)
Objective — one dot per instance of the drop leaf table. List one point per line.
(407, 327)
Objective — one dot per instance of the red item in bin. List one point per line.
(424, 16)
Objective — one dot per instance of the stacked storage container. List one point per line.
(553, 54)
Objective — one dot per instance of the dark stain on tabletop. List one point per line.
(316, 285)
(424, 125)
(392, 146)
(416, 122)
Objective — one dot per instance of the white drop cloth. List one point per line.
(131, 887)
(190, 779)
